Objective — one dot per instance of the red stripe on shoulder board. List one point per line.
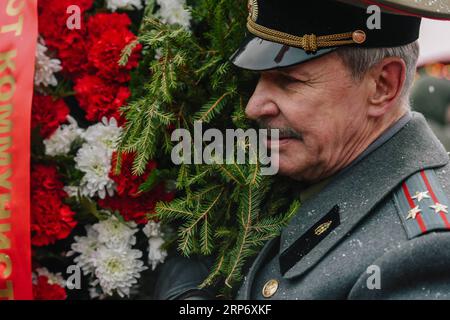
(413, 205)
(444, 218)
(427, 183)
(435, 199)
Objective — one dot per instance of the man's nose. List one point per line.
(261, 103)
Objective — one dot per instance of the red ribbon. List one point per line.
(18, 35)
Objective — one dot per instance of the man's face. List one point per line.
(321, 113)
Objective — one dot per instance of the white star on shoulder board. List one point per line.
(413, 213)
(421, 195)
(438, 207)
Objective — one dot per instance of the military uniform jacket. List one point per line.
(379, 230)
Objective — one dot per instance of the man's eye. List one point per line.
(289, 79)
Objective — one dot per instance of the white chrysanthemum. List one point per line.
(45, 67)
(95, 161)
(117, 269)
(105, 133)
(86, 248)
(156, 255)
(152, 229)
(113, 5)
(115, 233)
(174, 12)
(72, 191)
(60, 142)
(53, 278)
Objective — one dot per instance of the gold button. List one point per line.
(270, 288)
(359, 36)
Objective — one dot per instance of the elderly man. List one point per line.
(374, 219)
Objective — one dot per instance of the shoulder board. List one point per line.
(422, 204)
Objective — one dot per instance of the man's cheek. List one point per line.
(293, 152)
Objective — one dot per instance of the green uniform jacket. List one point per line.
(362, 236)
(378, 230)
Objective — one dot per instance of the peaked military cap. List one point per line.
(283, 33)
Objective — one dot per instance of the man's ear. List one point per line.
(387, 81)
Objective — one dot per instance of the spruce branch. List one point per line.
(225, 210)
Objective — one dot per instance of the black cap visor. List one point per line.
(257, 54)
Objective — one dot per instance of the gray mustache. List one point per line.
(284, 132)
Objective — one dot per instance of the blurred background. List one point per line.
(431, 92)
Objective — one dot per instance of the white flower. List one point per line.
(72, 191)
(94, 158)
(52, 277)
(45, 66)
(86, 247)
(105, 133)
(113, 5)
(174, 12)
(95, 161)
(114, 233)
(117, 269)
(152, 229)
(156, 255)
(106, 253)
(61, 141)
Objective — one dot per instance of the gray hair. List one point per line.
(360, 60)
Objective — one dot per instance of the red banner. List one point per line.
(18, 35)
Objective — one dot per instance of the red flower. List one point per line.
(103, 22)
(69, 44)
(51, 219)
(131, 204)
(90, 55)
(62, 5)
(45, 290)
(72, 52)
(53, 18)
(100, 99)
(127, 183)
(105, 53)
(48, 114)
(137, 209)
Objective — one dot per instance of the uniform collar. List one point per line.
(311, 190)
(405, 148)
(385, 136)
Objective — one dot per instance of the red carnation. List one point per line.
(103, 22)
(70, 45)
(72, 52)
(48, 114)
(44, 289)
(55, 5)
(127, 183)
(131, 204)
(137, 208)
(51, 219)
(53, 18)
(105, 53)
(90, 55)
(100, 99)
